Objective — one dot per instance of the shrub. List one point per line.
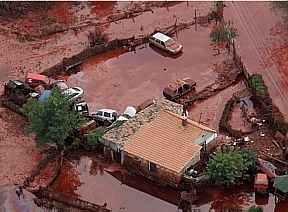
(257, 83)
(93, 137)
(229, 164)
(224, 32)
(96, 37)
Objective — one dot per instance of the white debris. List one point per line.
(252, 141)
(246, 139)
(261, 134)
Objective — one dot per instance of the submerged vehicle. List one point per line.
(166, 43)
(178, 88)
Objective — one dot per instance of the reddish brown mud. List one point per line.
(128, 77)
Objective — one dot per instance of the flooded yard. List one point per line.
(87, 178)
(117, 79)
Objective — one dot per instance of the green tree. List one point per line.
(51, 120)
(230, 163)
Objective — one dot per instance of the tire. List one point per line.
(176, 98)
(106, 123)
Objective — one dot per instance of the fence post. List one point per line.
(195, 21)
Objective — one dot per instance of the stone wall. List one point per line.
(161, 175)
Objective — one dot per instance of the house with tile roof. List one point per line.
(115, 139)
(159, 143)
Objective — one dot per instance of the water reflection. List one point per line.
(10, 202)
(165, 54)
(246, 103)
(230, 198)
(117, 188)
(68, 181)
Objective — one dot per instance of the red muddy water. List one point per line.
(89, 179)
(96, 182)
(115, 80)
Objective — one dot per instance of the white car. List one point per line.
(105, 115)
(165, 42)
(60, 84)
(128, 113)
(74, 93)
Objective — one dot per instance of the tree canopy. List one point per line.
(51, 120)
(230, 163)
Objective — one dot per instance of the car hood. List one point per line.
(175, 47)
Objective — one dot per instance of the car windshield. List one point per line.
(99, 113)
(269, 165)
(169, 42)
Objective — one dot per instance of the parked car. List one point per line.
(18, 87)
(127, 114)
(18, 91)
(268, 168)
(261, 182)
(34, 80)
(60, 84)
(105, 115)
(145, 104)
(44, 95)
(74, 93)
(80, 107)
(178, 88)
(165, 42)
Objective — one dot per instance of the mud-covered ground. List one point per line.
(26, 48)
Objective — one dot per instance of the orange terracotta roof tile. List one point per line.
(165, 142)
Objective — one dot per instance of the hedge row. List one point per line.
(263, 101)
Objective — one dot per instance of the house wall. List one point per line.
(110, 144)
(211, 146)
(161, 175)
(207, 136)
(108, 153)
